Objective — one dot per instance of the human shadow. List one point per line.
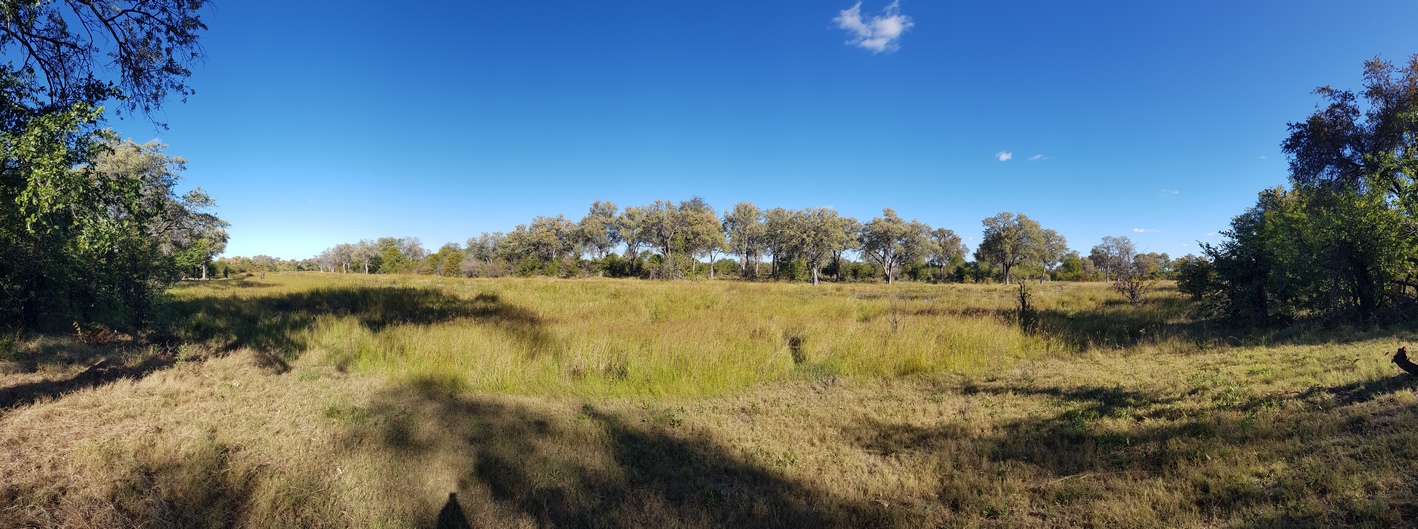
(595, 468)
(278, 324)
(451, 516)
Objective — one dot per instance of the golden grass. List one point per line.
(1106, 415)
(615, 337)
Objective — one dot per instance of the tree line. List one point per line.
(668, 240)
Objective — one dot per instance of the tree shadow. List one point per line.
(279, 324)
(1367, 390)
(1066, 454)
(596, 468)
(104, 372)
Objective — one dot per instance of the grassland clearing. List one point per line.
(354, 401)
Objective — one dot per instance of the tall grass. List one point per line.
(340, 401)
(627, 337)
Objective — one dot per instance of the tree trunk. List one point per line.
(814, 275)
(204, 271)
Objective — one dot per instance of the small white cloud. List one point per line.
(1262, 157)
(1169, 192)
(1144, 230)
(1004, 156)
(1037, 157)
(1210, 234)
(877, 34)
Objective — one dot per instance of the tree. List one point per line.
(819, 234)
(947, 248)
(1356, 169)
(746, 234)
(847, 238)
(598, 231)
(703, 234)
(551, 238)
(780, 237)
(345, 256)
(1009, 239)
(631, 224)
(365, 251)
(1137, 277)
(148, 46)
(484, 246)
(1053, 248)
(881, 240)
(916, 243)
(76, 239)
(1195, 276)
(1109, 256)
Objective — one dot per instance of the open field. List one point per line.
(324, 400)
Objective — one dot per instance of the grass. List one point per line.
(315, 401)
(633, 338)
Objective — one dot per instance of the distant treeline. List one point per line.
(666, 240)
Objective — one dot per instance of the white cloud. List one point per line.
(1144, 230)
(1210, 234)
(1004, 156)
(1169, 192)
(1037, 157)
(879, 33)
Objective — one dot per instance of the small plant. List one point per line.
(8, 345)
(795, 341)
(1028, 316)
(95, 336)
(894, 316)
(1136, 279)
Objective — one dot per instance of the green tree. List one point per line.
(703, 233)
(746, 234)
(947, 250)
(1053, 248)
(1009, 240)
(780, 238)
(598, 231)
(881, 241)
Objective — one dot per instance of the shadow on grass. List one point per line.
(278, 325)
(1066, 462)
(1368, 390)
(1171, 320)
(104, 372)
(592, 468)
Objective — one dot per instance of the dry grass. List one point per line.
(367, 416)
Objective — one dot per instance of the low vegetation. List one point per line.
(340, 400)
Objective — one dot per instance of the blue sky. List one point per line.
(317, 123)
